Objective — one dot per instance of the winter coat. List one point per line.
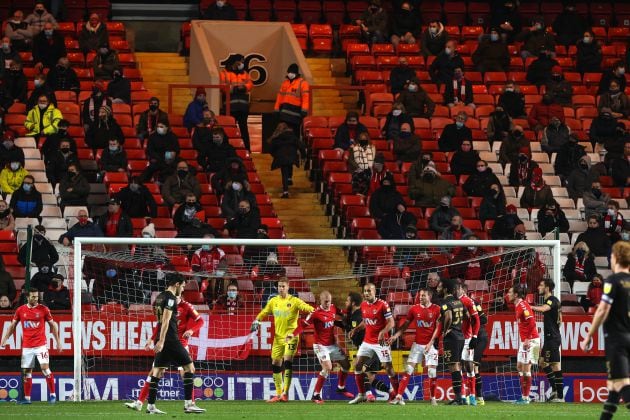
(158, 145)
(620, 169)
(48, 50)
(143, 122)
(504, 226)
(57, 299)
(376, 22)
(533, 41)
(91, 106)
(124, 228)
(284, 149)
(212, 157)
(57, 166)
(14, 154)
(508, 152)
(603, 129)
(464, 163)
(580, 180)
(393, 225)
(441, 218)
(16, 85)
(595, 205)
(449, 233)
(42, 252)
(428, 193)
(479, 183)
(443, 67)
(194, 113)
(214, 12)
(417, 104)
(607, 77)
(100, 133)
(569, 273)
(112, 161)
(569, 27)
(44, 89)
(561, 91)
(7, 285)
(90, 229)
(225, 175)
(342, 136)
(407, 149)
(245, 225)
(51, 117)
(499, 123)
(120, 88)
(231, 198)
(384, 200)
(589, 57)
(554, 138)
(433, 44)
(26, 204)
(539, 71)
(596, 240)
(175, 189)
(547, 223)
(491, 56)
(60, 78)
(541, 114)
(536, 199)
(513, 103)
(619, 103)
(391, 128)
(513, 178)
(492, 207)
(454, 96)
(452, 137)
(406, 21)
(567, 158)
(11, 181)
(137, 204)
(103, 66)
(399, 77)
(80, 190)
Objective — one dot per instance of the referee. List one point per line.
(550, 360)
(614, 312)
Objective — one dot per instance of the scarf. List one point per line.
(462, 91)
(152, 121)
(537, 186)
(375, 179)
(111, 227)
(523, 172)
(579, 266)
(613, 225)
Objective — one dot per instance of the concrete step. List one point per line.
(170, 65)
(164, 72)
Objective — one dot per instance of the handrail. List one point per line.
(223, 87)
(331, 87)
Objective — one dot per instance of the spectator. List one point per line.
(74, 188)
(434, 39)
(105, 62)
(568, 25)
(57, 166)
(348, 131)
(512, 146)
(9, 152)
(464, 161)
(42, 251)
(595, 201)
(373, 23)
(84, 228)
(234, 170)
(512, 100)
(57, 297)
(293, 98)
(43, 278)
(104, 129)
(148, 121)
(469, 262)
(613, 221)
(615, 100)
(620, 168)
(8, 55)
(580, 265)
(48, 47)
(39, 18)
(560, 89)
(115, 223)
(555, 136)
(27, 201)
(454, 134)
(521, 168)
(536, 39)
(568, 157)
(162, 151)
(360, 162)
(594, 293)
(42, 119)
(5, 303)
(493, 204)
(394, 225)
(459, 90)
(285, 149)
(63, 77)
(202, 132)
(616, 73)
(92, 106)
(499, 125)
(581, 178)
(379, 172)
(407, 146)
(442, 215)
(19, 32)
(15, 83)
(456, 230)
(41, 88)
(551, 217)
(262, 255)
(220, 10)
(395, 118)
(136, 200)
(406, 25)
(540, 70)
(537, 193)
(245, 224)
(179, 185)
(7, 285)
(625, 233)
(237, 77)
(401, 75)
(93, 34)
(11, 177)
(541, 113)
(428, 188)
(119, 89)
(113, 158)
(478, 184)
(7, 221)
(187, 219)
(505, 225)
(492, 53)
(385, 199)
(604, 128)
(231, 302)
(210, 260)
(444, 65)
(588, 58)
(507, 19)
(194, 111)
(213, 150)
(234, 194)
(595, 238)
(416, 101)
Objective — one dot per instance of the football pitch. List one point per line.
(333, 410)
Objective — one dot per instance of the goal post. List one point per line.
(311, 265)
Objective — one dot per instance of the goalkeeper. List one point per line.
(285, 310)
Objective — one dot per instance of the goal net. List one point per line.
(118, 279)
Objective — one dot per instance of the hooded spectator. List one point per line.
(348, 132)
(569, 25)
(395, 118)
(613, 221)
(360, 161)
(540, 70)
(589, 54)
(162, 151)
(234, 170)
(395, 225)
(580, 265)
(63, 77)
(104, 128)
(442, 68)
(454, 134)
(620, 168)
(568, 157)
(559, 88)
(57, 296)
(617, 73)
(581, 178)
(39, 18)
(42, 251)
(616, 100)
(499, 125)
(194, 111)
(178, 185)
(119, 88)
(214, 150)
(541, 113)
(220, 10)
(434, 39)
(442, 215)
(507, 18)
(115, 223)
(595, 201)
(136, 199)
(48, 47)
(427, 188)
(407, 145)
(493, 204)
(74, 188)
(605, 128)
(459, 90)
(537, 193)
(511, 147)
(406, 25)
(551, 217)
(456, 230)
(374, 23)
(555, 136)
(401, 75)
(478, 184)
(58, 163)
(44, 277)
(385, 200)
(105, 62)
(113, 157)
(512, 100)
(491, 53)
(84, 228)
(595, 238)
(464, 160)
(148, 121)
(27, 201)
(187, 219)
(43, 118)
(416, 101)
(12, 176)
(505, 225)
(92, 105)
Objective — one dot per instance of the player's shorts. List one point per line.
(384, 353)
(180, 368)
(174, 354)
(530, 355)
(617, 357)
(30, 353)
(280, 349)
(453, 347)
(551, 350)
(468, 354)
(328, 353)
(373, 365)
(482, 343)
(417, 354)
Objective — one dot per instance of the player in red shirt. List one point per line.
(377, 322)
(470, 328)
(211, 260)
(323, 320)
(188, 323)
(529, 347)
(424, 316)
(32, 316)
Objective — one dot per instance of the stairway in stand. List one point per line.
(161, 69)
(330, 102)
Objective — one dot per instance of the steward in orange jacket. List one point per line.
(293, 99)
(237, 77)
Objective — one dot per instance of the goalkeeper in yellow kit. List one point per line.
(286, 311)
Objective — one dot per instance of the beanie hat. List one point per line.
(293, 68)
(200, 91)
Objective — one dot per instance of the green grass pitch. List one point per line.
(115, 410)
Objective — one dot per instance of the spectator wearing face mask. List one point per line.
(7, 221)
(154, 253)
(41, 88)
(74, 188)
(42, 251)
(374, 23)
(464, 161)
(442, 215)
(581, 178)
(93, 34)
(620, 167)
(148, 121)
(406, 25)
(492, 53)
(210, 260)
(293, 99)
(541, 113)
(15, 84)
(42, 119)
(115, 223)
(521, 168)
(187, 220)
(180, 184)
(604, 128)
(401, 75)
(444, 65)
(234, 194)
(286, 149)
(617, 73)
(348, 132)
(93, 105)
(478, 183)
(580, 265)
(53, 142)
(113, 158)
(136, 199)
(57, 164)
(551, 217)
(555, 136)
(512, 101)
(589, 54)
(162, 151)
(57, 296)
(613, 221)
(11, 177)
(39, 18)
(9, 152)
(407, 145)
(499, 125)
(231, 302)
(568, 157)
(394, 224)
(119, 89)
(595, 200)
(27, 201)
(595, 238)
(559, 88)
(505, 224)
(540, 70)
(395, 118)
(615, 100)
(246, 222)
(416, 101)
(456, 230)
(63, 77)
(84, 228)
(194, 111)
(220, 10)
(536, 38)
(19, 31)
(105, 62)
(48, 47)
(379, 172)
(360, 161)
(594, 293)
(8, 55)
(493, 204)
(43, 278)
(537, 193)
(427, 187)
(433, 39)
(236, 76)
(458, 91)
(454, 134)
(385, 199)
(104, 129)
(234, 170)
(213, 149)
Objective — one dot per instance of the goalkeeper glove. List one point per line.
(473, 343)
(255, 326)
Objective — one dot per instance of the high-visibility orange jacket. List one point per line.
(239, 96)
(293, 100)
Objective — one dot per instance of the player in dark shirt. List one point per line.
(168, 348)
(614, 312)
(550, 357)
(452, 313)
(482, 343)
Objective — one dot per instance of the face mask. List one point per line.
(472, 248)
(587, 39)
(614, 91)
(291, 76)
(217, 139)
(65, 150)
(353, 123)
(240, 67)
(42, 106)
(96, 91)
(39, 11)
(37, 83)
(448, 51)
(396, 112)
(509, 89)
(579, 253)
(494, 37)
(83, 220)
(201, 98)
(611, 212)
(522, 158)
(7, 144)
(405, 134)
(538, 26)
(243, 210)
(169, 155)
(481, 168)
(134, 187)
(15, 166)
(44, 270)
(111, 273)
(6, 47)
(232, 294)
(117, 75)
(433, 31)
(113, 148)
(27, 187)
(459, 124)
(413, 88)
(583, 166)
(153, 107)
(621, 71)
(71, 174)
(191, 205)
(428, 176)
(48, 33)
(161, 131)
(458, 76)
(236, 186)
(517, 134)
(596, 192)
(625, 236)
(363, 142)
(103, 51)
(205, 247)
(182, 173)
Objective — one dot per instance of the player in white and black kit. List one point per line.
(550, 357)
(614, 312)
